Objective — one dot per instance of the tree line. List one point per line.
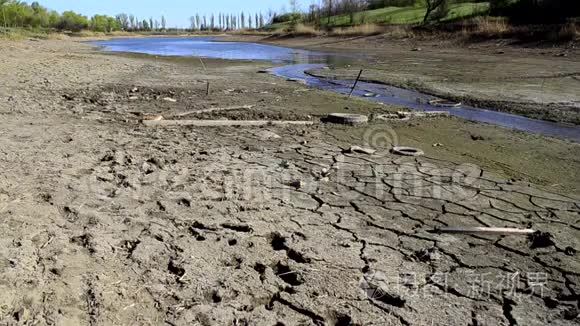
(321, 14)
(525, 11)
(225, 22)
(15, 13)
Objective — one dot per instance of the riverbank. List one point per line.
(531, 80)
(110, 222)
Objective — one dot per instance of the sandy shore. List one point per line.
(108, 222)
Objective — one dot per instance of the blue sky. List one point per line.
(177, 12)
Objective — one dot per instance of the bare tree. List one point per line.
(329, 4)
(123, 20)
(163, 23)
(432, 6)
(294, 6)
(192, 22)
(132, 22)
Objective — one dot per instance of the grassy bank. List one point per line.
(405, 15)
(395, 15)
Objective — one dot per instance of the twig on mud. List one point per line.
(230, 108)
(484, 230)
(202, 65)
(355, 83)
(223, 123)
(50, 238)
(130, 306)
(294, 272)
(180, 280)
(207, 81)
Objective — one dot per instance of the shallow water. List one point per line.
(301, 60)
(206, 47)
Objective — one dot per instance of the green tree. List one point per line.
(113, 25)
(2, 6)
(72, 21)
(53, 19)
(99, 23)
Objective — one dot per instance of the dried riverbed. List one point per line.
(107, 222)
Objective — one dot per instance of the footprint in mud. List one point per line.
(184, 202)
(85, 241)
(232, 242)
(237, 227)
(287, 275)
(175, 268)
(278, 243)
(261, 269)
(70, 214)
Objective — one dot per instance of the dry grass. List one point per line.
(57, 36)
(304, 30)
(568, 32)
(360, 30)
(486, 27)
(399, 31)
(297, 30)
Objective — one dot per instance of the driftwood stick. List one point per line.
(355, 82)
(223, 123)
(244, 107)
(484, 230)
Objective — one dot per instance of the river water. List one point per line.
(292, 63)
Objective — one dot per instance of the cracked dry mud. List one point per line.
(107, 222)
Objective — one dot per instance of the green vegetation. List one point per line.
(398, 15)
(20, 18)
(406, 15)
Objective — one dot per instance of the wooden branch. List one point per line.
(223, 123)
(230, 108)
(484, 230)
(355, 83)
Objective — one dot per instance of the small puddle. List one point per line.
(301, 61)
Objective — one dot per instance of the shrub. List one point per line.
(289, 17)
(490, 26)
(72, 21)
(303, 30)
